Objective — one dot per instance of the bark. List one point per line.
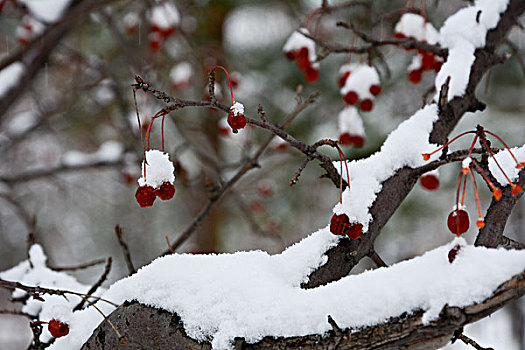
(144, 327)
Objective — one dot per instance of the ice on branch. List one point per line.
(403, 147)
(508, 164)
(158, 169)
(462, 33)
(53, 306)
(271, 302)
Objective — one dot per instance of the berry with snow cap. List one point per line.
(57, 329)
(360, 86)
(350, 126)
(163, 19)
(156, 180)
(236, 118)
(166, 191)
(300, 48)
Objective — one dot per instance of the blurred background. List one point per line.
(71, 148)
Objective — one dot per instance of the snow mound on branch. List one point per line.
(403, 147)
(462, 33)
(253, 294)
(54, 306)
(109, 151)
(47, 10)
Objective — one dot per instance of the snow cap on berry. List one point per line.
(416, 26)
(164, 16)
(349, 121)
(180, 74)
(237, 109)
(159, 169)
(362, 77)
(297, 41)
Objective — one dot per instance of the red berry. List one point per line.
(154, 44)
(415, 76)
(429, 182)
(303, 63)
(223, 131)
(458, 221)
(57, 329)
(145, 196)
(154, 28)
(311, 74)
(357, 141)
(303, 53)
(351, 97)
(166, 33)
(428, 61)
(291, 55)
(166, 191)
(343, 77)
(367, 105)
(265, 190)
(236, 121)
(375, 89)
(339, 224)
(437, 65)
(399, 35)
(257, 207)
(345, 139)
(452, 253)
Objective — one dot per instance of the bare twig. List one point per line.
(94, 288)
(125, 249)
(377, 260)
(507, 242)
(468, 341)
(78, 267)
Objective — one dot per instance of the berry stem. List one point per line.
(485, 177)
(162, 131)
(464, 188)
(229, 80)
(426, 156)
(504, 144)
(341, 158)
(496, 161)
(476, 193)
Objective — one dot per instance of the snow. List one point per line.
(54, 306)
(349, 121)
(10, 75)
(416, 26)
(159, 169)
(297, 40)
(22, 122)
(47, 10)
(462, 34)
(508, 164)
(237, 108)
(165, 16)
(109, 151)
(403, 147)
(253, 294)
(360, 79)
(181, 73)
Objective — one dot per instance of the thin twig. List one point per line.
(94, 288)
(125, 249)
(78, 267)
(469, 341)
(507, 242)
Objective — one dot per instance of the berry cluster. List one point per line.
(458, 220)
(157, 179)
(57, 329)
(359, 85)
(302, 49)
(350, 127)
(415, 27)
(163, 19)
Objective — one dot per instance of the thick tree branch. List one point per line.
(404, 331)
(343, 257)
